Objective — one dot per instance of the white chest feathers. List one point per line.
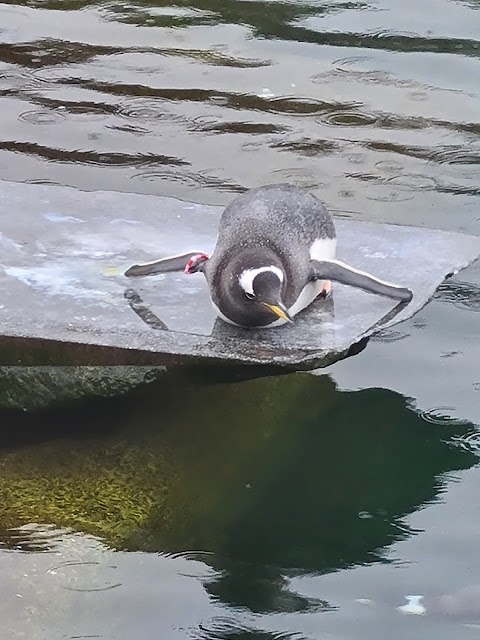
(321, 249)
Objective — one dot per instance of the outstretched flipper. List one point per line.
(190, 262)
(343, 273)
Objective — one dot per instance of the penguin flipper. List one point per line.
(343, 273)
(179, 262)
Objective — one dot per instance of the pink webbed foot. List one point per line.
(326, 289)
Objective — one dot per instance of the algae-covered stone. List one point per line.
(237, 469)
(31, 388)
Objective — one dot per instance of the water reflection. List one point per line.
(261, 480)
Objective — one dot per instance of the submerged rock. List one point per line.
(65, 299)
(240, 470)
(31, 388)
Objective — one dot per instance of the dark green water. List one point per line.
(264, 509)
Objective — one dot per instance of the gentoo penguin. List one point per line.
(275, 253)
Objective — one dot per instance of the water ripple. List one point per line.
(410, 182)
(386, 194)
(12, 80)
(223, 628)
(349, 118)
(309, 179)
(148, 110)
(88, 157)
(85, 576)
(189, 180)
(390, 335)
(307, 147)
(129, 128)
(470, 441)
(303, 106)
(442, 416)
(42, 117)
(464, 295)
(205, 124)
(33, 538)
(218, 59)
(451, 154)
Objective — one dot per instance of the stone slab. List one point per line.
(63, 253)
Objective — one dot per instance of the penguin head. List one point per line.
(263, 289)
(249, 287)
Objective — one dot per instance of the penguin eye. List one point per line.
(250, 296)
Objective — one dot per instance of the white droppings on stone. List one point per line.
(414, 606)
(266, 93)
(60, 217)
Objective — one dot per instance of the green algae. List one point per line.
(177, 474)
(107, 492)
(34, 387)
(240, 469)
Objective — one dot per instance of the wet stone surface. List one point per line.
(64, 253)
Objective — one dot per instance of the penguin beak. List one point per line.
(280, 311)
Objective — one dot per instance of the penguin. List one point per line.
(275, 254)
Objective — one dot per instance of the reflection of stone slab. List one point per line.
(63, 254)
(30, 388)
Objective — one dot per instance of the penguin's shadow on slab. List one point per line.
(321, 312)
(222, 330)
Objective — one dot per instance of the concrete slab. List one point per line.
(65, 299)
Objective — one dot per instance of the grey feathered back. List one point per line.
(289, 212)
(281, 217)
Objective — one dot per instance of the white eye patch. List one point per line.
(248, 276)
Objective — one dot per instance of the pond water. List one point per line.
(299, 507)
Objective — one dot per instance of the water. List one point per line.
(295, 507)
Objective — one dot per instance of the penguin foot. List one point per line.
(326, 289)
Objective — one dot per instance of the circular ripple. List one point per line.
(411, 182)
(84, 113)
(221, 101)
(442, 416)
(41, 181)
(204, 124)
(19, 80)
(390, 33)
(348, 118)
(85, 576)
(455, 155)
(390, 335)
(355, 67)
(186, 179)
(389, 166)
(387, 195)
(301, 177)
(300, 106)
(42, 117)
(350, 66)
(345, 64)
(147, 110)
(357, 158)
